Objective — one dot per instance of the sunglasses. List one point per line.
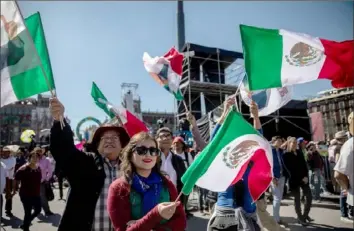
(142, 150)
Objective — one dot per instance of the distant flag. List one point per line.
(129, 121)
(98, 96)
(166, 70)
(268, 100)
(25, 65)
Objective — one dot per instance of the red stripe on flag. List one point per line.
(260, 175)
(133, 124)
(176, 60)
(339, 63)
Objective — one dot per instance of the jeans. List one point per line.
(297, 200)
(203, 199)
(345, 209)
(44, 200)
(277, 192)
(30, 203)
(319, 183)
(316, 183)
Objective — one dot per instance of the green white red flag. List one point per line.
(166, 70)
(25, 65)
(226, 158)
(278, 58)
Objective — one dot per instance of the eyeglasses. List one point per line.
(110, 138)
(142, 150)
(164, 136)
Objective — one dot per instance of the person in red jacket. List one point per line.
(142, 199)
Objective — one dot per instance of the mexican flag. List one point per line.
(21, 66)
(100, 100)
(268, 100)
(128, 120)
(166, 70)
(226, 158)
(278, 58)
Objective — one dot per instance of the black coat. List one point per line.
(297, 168)
(180, 168)
(85, 174)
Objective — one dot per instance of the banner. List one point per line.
(317, 126)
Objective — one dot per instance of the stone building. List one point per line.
(32, 113)
(335, 106)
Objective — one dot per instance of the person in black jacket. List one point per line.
(295, 163)
(171, 164)
(88, 173)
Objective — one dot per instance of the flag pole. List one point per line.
(36, 51)
(185, 105)
(52, 92)
(179, 195)
(238, 107)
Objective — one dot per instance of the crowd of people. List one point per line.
(122, 183)
(30, 172)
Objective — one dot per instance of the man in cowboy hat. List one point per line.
(88, 173)
(344, 174)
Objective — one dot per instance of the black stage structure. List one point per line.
(204, 77)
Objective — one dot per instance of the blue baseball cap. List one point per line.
(301, 140)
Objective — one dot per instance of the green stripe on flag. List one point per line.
(178, 95)
(32, 81)
(234, 126)
(263, 54)
(97, 95)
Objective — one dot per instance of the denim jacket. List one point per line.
(278, 164)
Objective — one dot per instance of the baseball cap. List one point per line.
(301, 140)
(178, 139)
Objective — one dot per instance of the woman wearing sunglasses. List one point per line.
(143, 198)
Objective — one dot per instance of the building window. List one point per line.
(341, 105)
(351, 103)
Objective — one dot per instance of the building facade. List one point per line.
(151, 119)
(335, 106)
(26, 114)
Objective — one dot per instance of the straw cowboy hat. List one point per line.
(340, 135)
(123, 135)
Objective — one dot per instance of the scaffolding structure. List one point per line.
(209, 76)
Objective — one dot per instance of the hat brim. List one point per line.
(123, 135)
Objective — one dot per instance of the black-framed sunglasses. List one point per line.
(142, 150)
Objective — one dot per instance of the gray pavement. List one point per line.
(326, 215)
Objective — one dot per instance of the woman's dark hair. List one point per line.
(34, 152)
(126, 166)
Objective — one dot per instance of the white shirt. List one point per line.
(3, 175)
(183, 156)
(167, 167)
(10, 164)
(345, 166)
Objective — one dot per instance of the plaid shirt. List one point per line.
(101, 220)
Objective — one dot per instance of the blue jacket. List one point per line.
(278, 163)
